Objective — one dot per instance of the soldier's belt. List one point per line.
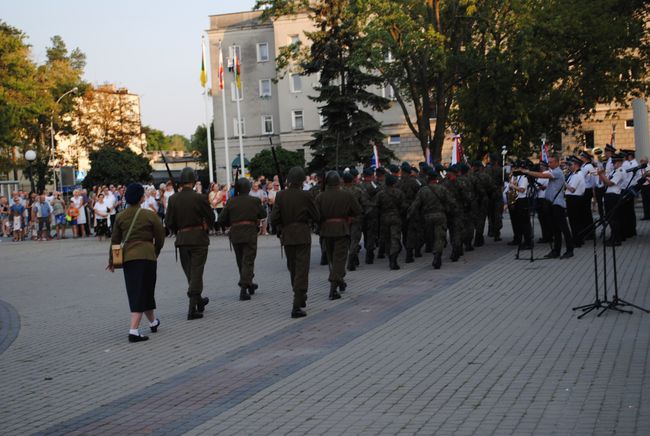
(240, 223)
(338, 220)
(187, 229)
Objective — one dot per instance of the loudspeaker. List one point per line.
(67, 176)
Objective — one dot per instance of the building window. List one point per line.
(294, 40)
(234, 91)
(267, 124)
(295, 82)
(263, 52)
(235, 126)
(265, 88)
(629, 124)
(297, 121)
(394, 139)
(589, 139)
(388, 92)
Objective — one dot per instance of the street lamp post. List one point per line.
(52, 133)
(30, 156)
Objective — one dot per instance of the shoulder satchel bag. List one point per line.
(118, 250)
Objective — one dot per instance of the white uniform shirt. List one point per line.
(635, 179)
(542, 192)
(618, 177)
(589, 175)
(522, 182)
(576, 181)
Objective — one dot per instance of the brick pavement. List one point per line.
(482, 346)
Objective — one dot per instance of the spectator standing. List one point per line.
(17, 219)
(44, 215)
(259, 193)
(5, 213)
(80, 219)
(58, 210)
(101, 210)
(271, 193)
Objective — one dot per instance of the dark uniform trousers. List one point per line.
(627, 215)
(587, 219)
(391, 227)
(454, 224)
(495, 216)
(645, 197)
(370, 230)
(298, 258)
(435, 231)
(613, 216)
(544, 216)
(575, 213)
(522, 228)
(600, 196)
(337, 253)
(193, 260)
(245, 255)
(355, 237)
(560, 229)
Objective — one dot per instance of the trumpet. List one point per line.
(599, 153)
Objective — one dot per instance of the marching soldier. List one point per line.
(433, 202)
(337, 208)
(495, 207)
(292, 214)
(458, 218)
(410, 186)
(466, 181)
(349, 185)
(484, 191)
(370, 226)
(380, 177)
(188, 215)
(390, 202)
(314, 191)
(242, 214)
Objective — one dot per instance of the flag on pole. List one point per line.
(457, 154)
(427, 153)
(544, 155)
(612, 140)
(237, 71)
(375, 157)
(221, 83)
(204, 74)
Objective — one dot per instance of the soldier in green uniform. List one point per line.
(457, 216)
(495, 208)
(337, 208)
(242, 214)
(410, 185)
(390, 203)
(314, 191)
(380, 179)
(350, 185)
(466, 182)
(433, 202)
(188, 215)
(292, 214)
(370, 226)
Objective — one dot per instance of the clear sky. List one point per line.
(151, 47)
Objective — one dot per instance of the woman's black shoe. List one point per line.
(154, 328)
(137, 338)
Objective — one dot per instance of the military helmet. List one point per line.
(296, 176)
(243, 186)
(332, 178)
(188, 176)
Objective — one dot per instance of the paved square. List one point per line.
(485, 345)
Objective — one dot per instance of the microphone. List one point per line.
(636, 168)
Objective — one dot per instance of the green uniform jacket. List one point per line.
(369, 197)
(146, 239)
(292, 213)
(187, 209)
(337, 207)
(430, 200)
(410, 186)
(357, 193)
(390, 201)
(242, 208)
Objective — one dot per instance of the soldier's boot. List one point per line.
(351, 265)
(323, 258)
(479, 241)
(392, 262)
(468, 246)
(342, 286)
(243, 294)
(418, 252)
(437, 261)
(252, 288)
(428, 248)
(381, 254)
(297, 312)
(200, 306)
(192, 312)
(497, 236)
(370, 257)
(356, 259)
(334, 294)
(409, 256)
(455, 255)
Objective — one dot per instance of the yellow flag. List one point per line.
(204, 75)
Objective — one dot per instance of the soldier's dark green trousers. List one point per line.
(435, 231)
(370, 231)
(298, 257)
(245, 255)
(391, 227)
(193, 260)
(337, 253)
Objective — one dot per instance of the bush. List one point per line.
(108, 165)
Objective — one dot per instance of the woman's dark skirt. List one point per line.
(140, 279)
(102, 227)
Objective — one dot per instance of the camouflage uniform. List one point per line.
(412, 226)
(458, 216)
(495, 208)
(355, 225)
(390, 203)
(314, 191)
(433, 202)
(370, 224)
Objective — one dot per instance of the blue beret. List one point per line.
(406, 167)
(439, 167)
(453, 168)
(393, 168)
(354, 172)
(347, 176)
(134, 193)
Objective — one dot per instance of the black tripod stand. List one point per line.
(616, 302)
(531, 195)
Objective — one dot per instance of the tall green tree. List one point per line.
(199, 143)
(262, 164)
(111, 166)
(346, 91)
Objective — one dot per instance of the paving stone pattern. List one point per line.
(485, 345)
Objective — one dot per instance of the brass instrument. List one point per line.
(512, 194)
(599, 153)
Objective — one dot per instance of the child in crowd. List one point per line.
(17, 211)
(72, 215)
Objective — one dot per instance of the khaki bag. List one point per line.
(118, 250)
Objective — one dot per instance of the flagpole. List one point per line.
(207, 111)
(239, 123)
(225, 117)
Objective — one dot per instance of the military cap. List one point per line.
(585, 154)
(618, 157)
(453, 169)
(627, 152)
(134, 193)
(296, 176)
(406, 167)
(394, 169)
(188, 176)
(390, 179)
(439, 167)
(574, 160)
(354, 172)
(243, 186)
(332, 178)
(610, 148)
(368, 171)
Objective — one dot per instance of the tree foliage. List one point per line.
(199, 143)
(157, 140)
(109, 165)
(262, 164)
